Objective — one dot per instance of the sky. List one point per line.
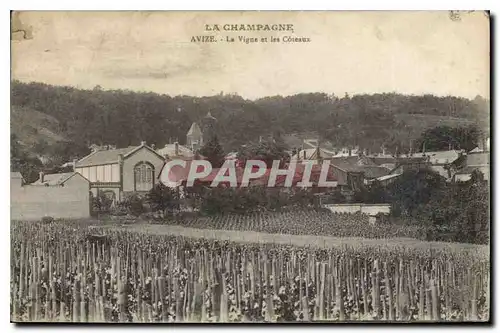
(349, 52)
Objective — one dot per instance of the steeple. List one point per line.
(194, 137)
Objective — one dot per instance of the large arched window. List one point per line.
(143, 176)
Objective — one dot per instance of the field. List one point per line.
(66, 271)
(303, 221)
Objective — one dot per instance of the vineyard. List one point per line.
(302, 221)
(64, 272)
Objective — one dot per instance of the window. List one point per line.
(143, 176)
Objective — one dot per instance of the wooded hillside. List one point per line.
(125, 118)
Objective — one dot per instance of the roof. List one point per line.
(440, 157)
(311, 154)
(194, 130)
(104, 156)
(383, 160)
(374, 171)
(110, 156)
(387, 177)
(469, 169)
(231, 156)
(169, 150)
(353, 160)
(56, 179)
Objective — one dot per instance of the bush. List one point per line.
(162, 199)
(134, 204)
(47, 220)
(101, 203)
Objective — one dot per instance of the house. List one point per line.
(462, 168)
(311, 154)
(59, 179)
(410, 164)
(117, 172)
(61, 195)
(176, 151)
(356, 165)
(350, 178)
(440, 160)
(388, 161)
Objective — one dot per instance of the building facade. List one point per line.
(117, 172)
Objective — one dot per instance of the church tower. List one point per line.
(194, 137)
(209, 126)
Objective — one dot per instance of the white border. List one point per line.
(491, 5)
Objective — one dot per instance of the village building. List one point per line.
(463, 168)
(354, 171)
(401, 165)
(117, 172)
(176, 151)
(441, 160)
(61, 195)
(317, 155)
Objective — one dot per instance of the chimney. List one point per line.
(153, 146)
(143, 143)
(74, 164)
(176, 148)
(40, 175)
(383, 151)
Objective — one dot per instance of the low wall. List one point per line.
(359, 208)
(31, 202)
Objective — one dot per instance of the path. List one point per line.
(299, 240)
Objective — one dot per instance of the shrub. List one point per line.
(134, 204)
(47, 219)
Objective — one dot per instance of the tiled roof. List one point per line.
(104, 156)
(54, 179)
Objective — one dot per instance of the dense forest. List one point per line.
(122, 118)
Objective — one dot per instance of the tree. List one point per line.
(373, 194)
(213, 152)
(444, 137)
(162, 198)
(265, 150)
(414, 189)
